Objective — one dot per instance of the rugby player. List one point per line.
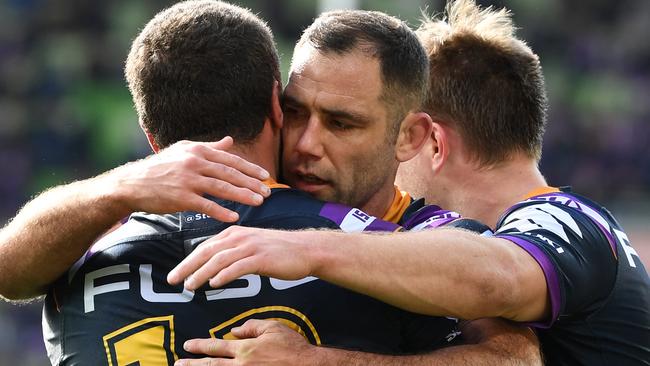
(118, 279)
(557, 261)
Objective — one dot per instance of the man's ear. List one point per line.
(414, 132)
(276, 108)
(440, 146)
(150, 138)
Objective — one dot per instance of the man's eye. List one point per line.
(340, 125)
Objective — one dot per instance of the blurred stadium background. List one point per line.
(66, 114)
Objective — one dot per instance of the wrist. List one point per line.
(318, 251)
(111, 193)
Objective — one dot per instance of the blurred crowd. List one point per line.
(66, 114)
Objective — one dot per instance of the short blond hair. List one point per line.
(484, 81)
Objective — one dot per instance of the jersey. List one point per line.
(114, 307)
(598, 287)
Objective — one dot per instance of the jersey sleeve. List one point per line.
(353, 220)
(578, 261)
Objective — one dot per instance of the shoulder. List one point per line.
(304, 211)
(567, 218)
(140, 227)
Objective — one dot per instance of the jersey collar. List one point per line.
(397, 208)
(271, 183)
(541, 190)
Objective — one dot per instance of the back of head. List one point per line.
(202, 70)
(485, 83)
(402, 60)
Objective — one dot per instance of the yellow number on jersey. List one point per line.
(150, 342)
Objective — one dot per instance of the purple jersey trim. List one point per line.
(550, 273)
(337, 213)
(423, 214)
(334, 212)
(436, 223)
(381, 225)
(430, 217)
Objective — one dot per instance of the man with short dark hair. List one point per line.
(557, 260)
(172, 68)
(357, 78)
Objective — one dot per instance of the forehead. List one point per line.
(350, 80)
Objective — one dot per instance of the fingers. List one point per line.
(206, 362)
(217, 155)
(212, 267)
(234, 270)
(227, 172)
(212, 347)
(207, 169)
(224, 188)
(200, 256)
(220, 176)
(254, 328)
(210, 208)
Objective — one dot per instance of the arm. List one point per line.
(58, 226)
(443, 272)
(270, 343)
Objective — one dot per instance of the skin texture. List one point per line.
(489, 277)
(332, 103)
(271, 343)
(67, 219)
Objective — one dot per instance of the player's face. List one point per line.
(335, 134)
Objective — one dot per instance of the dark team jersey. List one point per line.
(114, 307)
(598, 287)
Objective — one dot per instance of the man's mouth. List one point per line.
(311, 179)
(309, 182)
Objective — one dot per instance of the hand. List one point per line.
(177, 177)
(238, 251)
(260, 343)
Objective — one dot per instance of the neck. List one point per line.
(263, 151)
(379, 204)
(485, 194)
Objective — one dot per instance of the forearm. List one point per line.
(51, 232)
(493, 342)
(442, 272)
(324, 356)
(473, 354)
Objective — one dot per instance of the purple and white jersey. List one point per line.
(598, 287)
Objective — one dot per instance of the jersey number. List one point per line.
(149, 342)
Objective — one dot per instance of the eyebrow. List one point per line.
(336, 113)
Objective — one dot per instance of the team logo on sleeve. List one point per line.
(543, 216)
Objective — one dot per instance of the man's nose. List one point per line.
(311, 140)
